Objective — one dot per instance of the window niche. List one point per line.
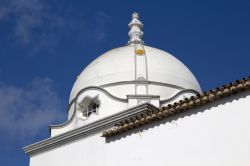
(89, 106)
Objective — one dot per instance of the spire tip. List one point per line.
(135, 15)
(135, 32)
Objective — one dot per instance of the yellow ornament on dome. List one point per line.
(139, 51)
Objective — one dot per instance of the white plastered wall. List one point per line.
(108, 106)
(216, 134)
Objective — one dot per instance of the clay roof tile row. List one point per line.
(180, 106)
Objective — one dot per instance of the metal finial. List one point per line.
(135, 32)
(135, 15)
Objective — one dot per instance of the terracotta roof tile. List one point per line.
(180, 106)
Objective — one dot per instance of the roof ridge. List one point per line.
(180, 106)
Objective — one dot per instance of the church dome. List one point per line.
(136, 73)
(117, 67)
(125, 78)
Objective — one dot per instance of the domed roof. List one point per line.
(136, 69)
(118, 65)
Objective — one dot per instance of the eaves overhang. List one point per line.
(87, 130)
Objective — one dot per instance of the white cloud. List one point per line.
(24, 111)
(27, 15)
(40, 26)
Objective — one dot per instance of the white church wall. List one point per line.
(121, 90)
(215, 134)
(164, 92)
(73, 154)
(107, 107)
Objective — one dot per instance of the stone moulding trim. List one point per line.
(142, 82)
(129, 97)
(74, 100)
(143, 96)
(123, 83)
(179, 94)
(102, 90)
(87, 130)
(99, 88)
(180, 106)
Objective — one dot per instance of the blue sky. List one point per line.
(45, 44)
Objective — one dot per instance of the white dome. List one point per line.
(117, 67)
(126, 77)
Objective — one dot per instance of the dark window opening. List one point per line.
(92, 108)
